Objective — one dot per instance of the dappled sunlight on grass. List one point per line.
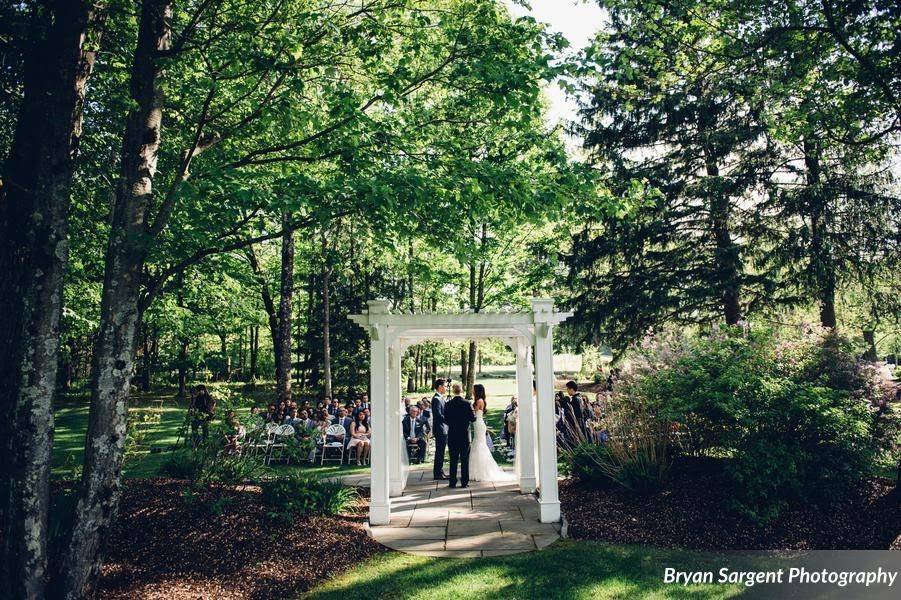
(568, 569)
(71, 416)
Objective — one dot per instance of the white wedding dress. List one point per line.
(481, 464)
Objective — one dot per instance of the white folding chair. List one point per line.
(334, 431)
(279, 437)
(262, 439)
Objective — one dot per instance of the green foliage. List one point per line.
(182, 464)
(299, 495)
(634, 451)
(791, 415)
(136, 429)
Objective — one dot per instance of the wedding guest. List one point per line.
(323, 420)
(202, 409)
(415, 429)
(234, 433)
(360, 436)
(357, 407)
(510, 425)
(425, 409)
(290, 418)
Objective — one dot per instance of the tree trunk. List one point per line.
(114, 351)
(226, 358)
(145, 362)
(470, 368)
(268, 305)
(869, 338)
(283, 379)
(463, 364)
(821, 264)
(728, 261)
(254, 352)
(326, 341)
(34, 205)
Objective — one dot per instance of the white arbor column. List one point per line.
(379, 504)
(548, 499)
(397, 474)
(526, 449)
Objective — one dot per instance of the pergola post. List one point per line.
(379, 504)
(548, 499)
(397, 460)
(525, 430)
(389, 333)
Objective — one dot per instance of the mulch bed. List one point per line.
(690, 513)
(163, 548)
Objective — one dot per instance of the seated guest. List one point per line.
(507, 433)
(406, 404)
(322, 422)
(332, 407)
(364, 401)
(425, 408)
(359, 437)
(415, 430)
(270, 413)
(234, 433)
(257, 419)
(305, 421)
(342, 419)
(358, 407)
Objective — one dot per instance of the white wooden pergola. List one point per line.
(526, 331)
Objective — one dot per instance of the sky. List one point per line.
(577, 20)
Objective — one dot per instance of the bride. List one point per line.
(481, 464)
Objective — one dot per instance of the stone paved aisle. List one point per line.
(486, 519)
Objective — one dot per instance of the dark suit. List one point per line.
(415, 429)
(439, 428)
(458, 414)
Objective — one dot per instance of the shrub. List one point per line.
(582, 462)
(790, 415)
(181, 465)
(298, 495)
(635, 452)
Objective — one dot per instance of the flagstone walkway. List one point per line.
(486, 519)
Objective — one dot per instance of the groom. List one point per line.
(439, 428)
(458, 414)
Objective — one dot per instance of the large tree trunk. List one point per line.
(114, 351)
(268, 305)
(283, 380)
(326, 334)
(34, 205)
(869, 338)
(728, 261)
(821, 264)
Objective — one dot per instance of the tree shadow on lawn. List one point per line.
(568, 569)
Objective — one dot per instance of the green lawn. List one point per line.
(568, 569)
(72, 421)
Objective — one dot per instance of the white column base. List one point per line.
(379, 514)
(396, 487)
(549, 511)
(527, 485)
